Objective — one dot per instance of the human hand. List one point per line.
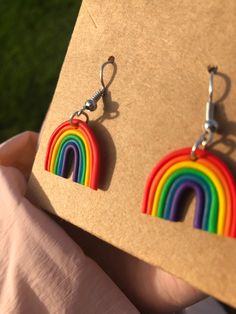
(44, 271)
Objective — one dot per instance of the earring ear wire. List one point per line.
(91, 103)
(210, 125)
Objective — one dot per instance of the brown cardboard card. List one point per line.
(155, 105)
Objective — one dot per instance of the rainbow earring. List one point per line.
(73, 143)
(197, 169)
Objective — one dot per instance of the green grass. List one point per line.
(34, 36)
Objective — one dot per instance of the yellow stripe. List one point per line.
(210, 174)
(87, 149)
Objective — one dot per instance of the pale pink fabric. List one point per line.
(42, 270)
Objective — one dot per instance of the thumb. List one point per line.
(19, 152)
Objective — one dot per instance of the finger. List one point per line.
(19, 152)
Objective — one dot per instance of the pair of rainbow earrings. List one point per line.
(191, 168)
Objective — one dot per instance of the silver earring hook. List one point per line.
(210, 124)
(212, 70)
(111, 60)
(91, 103)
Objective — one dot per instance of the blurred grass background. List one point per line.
(34, 36)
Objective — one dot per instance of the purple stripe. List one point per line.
(199, 202)
(76, 161)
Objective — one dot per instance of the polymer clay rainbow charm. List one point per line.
(194, 169)
(212, 182)
(73, 147)
(74, 138)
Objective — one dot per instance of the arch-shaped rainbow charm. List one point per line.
(78, 140)
(212, 182)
